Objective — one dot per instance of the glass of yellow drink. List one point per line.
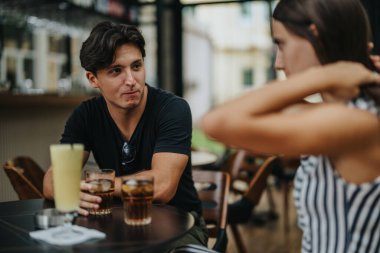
(66, 162)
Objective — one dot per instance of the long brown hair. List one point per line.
(343, 30)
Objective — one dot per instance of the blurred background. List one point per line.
(205, 51)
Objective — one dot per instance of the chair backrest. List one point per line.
(242, 166)
(213, 188)
(258, 182)
(25, 176)
(240, 161)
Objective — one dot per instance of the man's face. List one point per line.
(294, 53)
(122, 83)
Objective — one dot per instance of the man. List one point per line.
(132, 127)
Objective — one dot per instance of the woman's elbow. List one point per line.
(206, 125)
(212, 125)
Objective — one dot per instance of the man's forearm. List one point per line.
(118, 182)
(163, 191)
(48, 189)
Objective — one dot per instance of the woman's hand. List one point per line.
(376, 61)
(87, 200)
(374, 58)
(345, 78)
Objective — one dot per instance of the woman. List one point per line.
(337, 187)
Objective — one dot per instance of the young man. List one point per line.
(132, 127)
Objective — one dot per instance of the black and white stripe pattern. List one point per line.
(337, 216)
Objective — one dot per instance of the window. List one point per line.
(246, 10)
(248, 76)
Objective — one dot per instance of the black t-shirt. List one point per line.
(165, 126)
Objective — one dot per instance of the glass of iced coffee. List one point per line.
(103, 185)
(137, 196)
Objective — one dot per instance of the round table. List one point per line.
(168, 224)
(202, 158)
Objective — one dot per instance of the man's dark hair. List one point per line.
(98, 51)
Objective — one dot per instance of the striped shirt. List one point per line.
(337, 216)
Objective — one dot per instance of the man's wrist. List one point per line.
(118, 181)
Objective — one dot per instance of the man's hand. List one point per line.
(376, 61)
(87, 200)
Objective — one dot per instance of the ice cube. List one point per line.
(95, 186)
(105, 185)
(148, 189)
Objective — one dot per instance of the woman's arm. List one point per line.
(255, 121)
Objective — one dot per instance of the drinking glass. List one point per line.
(103, 185)
(66, 162)
(137, 200)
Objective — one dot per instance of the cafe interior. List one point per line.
(202, 50)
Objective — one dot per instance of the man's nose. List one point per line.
(130, 79)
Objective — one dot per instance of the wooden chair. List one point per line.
(242, 166)
(213, 189)
(26, 177)
(288, 167)
(257, 185)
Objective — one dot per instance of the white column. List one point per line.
(40, 66)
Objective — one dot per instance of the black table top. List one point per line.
(17, 220)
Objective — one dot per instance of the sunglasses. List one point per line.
(128, 153)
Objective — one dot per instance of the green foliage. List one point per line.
(202, 142)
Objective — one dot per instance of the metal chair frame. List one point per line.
(213, 189)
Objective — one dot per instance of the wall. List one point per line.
(28, 131)
(197, 69)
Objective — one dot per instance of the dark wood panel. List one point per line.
(8, 100)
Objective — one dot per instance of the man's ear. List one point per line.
(314, 30)
(92, 79)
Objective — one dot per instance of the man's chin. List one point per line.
(130, 105)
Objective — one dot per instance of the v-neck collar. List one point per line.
(120, 137)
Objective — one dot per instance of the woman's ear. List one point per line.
(92, 79)
(314, 30)
(370, 46)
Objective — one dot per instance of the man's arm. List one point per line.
(86, 200)
(167, 169)
(48, 185)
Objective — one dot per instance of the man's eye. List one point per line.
(115, 71)
(136, 66)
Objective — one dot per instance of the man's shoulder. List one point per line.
(90, 109)
(163, 98)
(91, 104)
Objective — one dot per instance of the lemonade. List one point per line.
(67, 165)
